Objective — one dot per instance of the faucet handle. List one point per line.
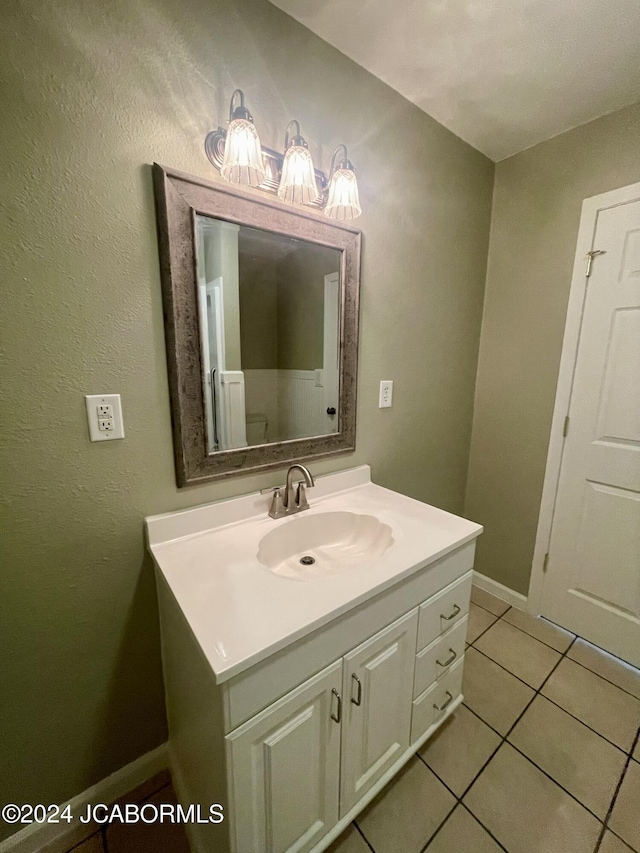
(278, 509)
(301, 497)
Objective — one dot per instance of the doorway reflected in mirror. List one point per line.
(269, 307)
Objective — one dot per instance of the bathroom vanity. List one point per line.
(296, 690)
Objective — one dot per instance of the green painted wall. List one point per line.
(258, 313)
(92, 93)
(301, 306)
(536, 212)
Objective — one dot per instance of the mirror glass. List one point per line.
(269, 308)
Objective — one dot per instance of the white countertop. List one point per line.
(240, 612)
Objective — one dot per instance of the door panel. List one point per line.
(592, 585)
(610, 536)
(286, 762)
(378, 689)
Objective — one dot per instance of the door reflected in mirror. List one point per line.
(269, 309)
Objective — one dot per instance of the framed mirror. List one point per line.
(261, 324)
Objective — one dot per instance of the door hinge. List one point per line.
(545, 564)
(565, 428)
(590, 257)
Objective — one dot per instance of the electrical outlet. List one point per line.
(104, 413)
(386, 394)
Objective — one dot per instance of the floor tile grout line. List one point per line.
(498, 616)
(544, 696)
(533, 637)
(608, 680)
(575, 637)
(476, 714)
(503, 739)
(513, 725)
(364, 837)
(559, 784)
(604, 651)
(488, 831)
(586, 725)
(612, 804)
(439, 827)
(458, 803)
(488, 628)
(521, 680)
(530, 686)
(442, 782)
(622, 841)
(522, 631)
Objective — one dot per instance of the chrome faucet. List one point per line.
(295, 498)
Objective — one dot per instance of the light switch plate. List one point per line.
(104, 414)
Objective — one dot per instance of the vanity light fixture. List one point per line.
(236, 152)
(342, 198)
(242, 162)
(298, 180)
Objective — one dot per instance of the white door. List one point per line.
(331, 353)
(286, 766)
(592, 580)
(378, 689)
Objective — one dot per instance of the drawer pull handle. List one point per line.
(453, 615)
(444, 704)
(449, 661)
(337, 717)
(358, 700)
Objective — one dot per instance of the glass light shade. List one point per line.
(343, 202)
(242, 162)
(298, 182)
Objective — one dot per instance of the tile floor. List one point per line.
(542, 757)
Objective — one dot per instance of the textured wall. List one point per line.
(536, 211)
(258, 313)
(301, 306)
(92, 92)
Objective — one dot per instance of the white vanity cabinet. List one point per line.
(376, 717)
(286, 769)
(310, 757)
(292, 704)
(296, 772)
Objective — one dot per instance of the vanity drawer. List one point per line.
(433, 704)
(441, 612)
(438, 658)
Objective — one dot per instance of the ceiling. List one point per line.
(501, 74)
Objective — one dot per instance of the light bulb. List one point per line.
(298, 180)
(242, 162)
(343, 202)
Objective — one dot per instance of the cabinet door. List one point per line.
(378, 690)
(284, 769)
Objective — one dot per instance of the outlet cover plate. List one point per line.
(94, 416)
(385, 400)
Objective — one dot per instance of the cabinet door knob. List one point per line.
(449, 661)
(445, 704)
(358, 699)
(452, 615)
(337, 717)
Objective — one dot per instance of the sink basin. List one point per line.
(310, 547)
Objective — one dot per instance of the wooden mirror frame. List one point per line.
(179, 199)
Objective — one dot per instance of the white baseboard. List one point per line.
(516, 599)
(36, 836)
